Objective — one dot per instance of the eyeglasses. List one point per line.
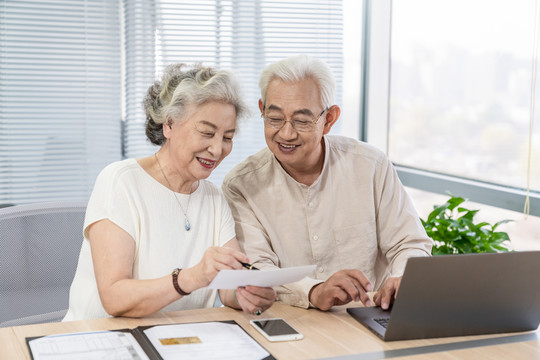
(300, 122)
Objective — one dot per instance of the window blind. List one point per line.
(240, 35)
(140, 73)
(60, 106)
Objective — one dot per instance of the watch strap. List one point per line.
(177, 287)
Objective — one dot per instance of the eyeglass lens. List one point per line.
(300, 122)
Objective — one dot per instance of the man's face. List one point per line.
(298, 152)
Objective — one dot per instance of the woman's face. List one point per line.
(198, 144)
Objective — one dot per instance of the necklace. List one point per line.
(188, 225)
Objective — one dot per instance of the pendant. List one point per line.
(188, 226)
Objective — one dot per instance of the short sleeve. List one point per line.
(110, 200)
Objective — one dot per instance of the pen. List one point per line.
(248, 266)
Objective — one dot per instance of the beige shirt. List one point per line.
(356, 215)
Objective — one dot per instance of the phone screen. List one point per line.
(275, 327)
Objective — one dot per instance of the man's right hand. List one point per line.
(340, 289)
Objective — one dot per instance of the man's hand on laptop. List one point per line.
(341, 288)
(387, 292)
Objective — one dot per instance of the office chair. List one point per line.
(39, 251)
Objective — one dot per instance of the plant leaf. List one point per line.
(436, 212)
(501, 222)
(454, 201)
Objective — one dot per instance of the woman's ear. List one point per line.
(332, 115)
(167, 128)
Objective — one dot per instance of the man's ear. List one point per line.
(332, 115)
(261, 106)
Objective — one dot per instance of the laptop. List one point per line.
(456, 295)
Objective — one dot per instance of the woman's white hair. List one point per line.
(297, 68)
(182, 86)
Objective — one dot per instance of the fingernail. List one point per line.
(384, 306)
(357, 298)
(368, 303)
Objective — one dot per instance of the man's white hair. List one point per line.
(297, 68)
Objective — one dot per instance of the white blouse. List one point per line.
(128, 196)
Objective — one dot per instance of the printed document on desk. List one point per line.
(84, 346)
(206, 340)
(231, 279)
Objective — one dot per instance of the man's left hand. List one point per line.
(387, 292)
(254, 299)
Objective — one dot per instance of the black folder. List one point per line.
(144, 341)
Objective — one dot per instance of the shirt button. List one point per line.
(321, 269)
(315, 237)
(311, 204)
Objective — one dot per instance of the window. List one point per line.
(452, 79)
(60, 107)
(460, 99)
(449, 99)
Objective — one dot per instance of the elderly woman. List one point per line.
(156, 232)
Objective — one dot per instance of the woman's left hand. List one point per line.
(255, 300)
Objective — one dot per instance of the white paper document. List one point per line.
(201, 341)
(97, 345)
(231, 279)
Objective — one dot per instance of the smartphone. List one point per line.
(276, 330)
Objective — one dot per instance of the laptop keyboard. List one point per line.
(382, 321)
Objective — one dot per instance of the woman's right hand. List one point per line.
(214, 259)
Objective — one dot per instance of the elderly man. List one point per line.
(313, 198)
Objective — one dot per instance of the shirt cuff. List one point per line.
(296, 294)
(399, 263)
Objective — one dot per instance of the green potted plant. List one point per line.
(454, 231)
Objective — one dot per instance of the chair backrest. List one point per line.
(39, 251)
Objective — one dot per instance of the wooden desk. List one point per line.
(326, 334)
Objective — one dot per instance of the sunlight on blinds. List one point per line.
(60, 106)
(239, 35)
